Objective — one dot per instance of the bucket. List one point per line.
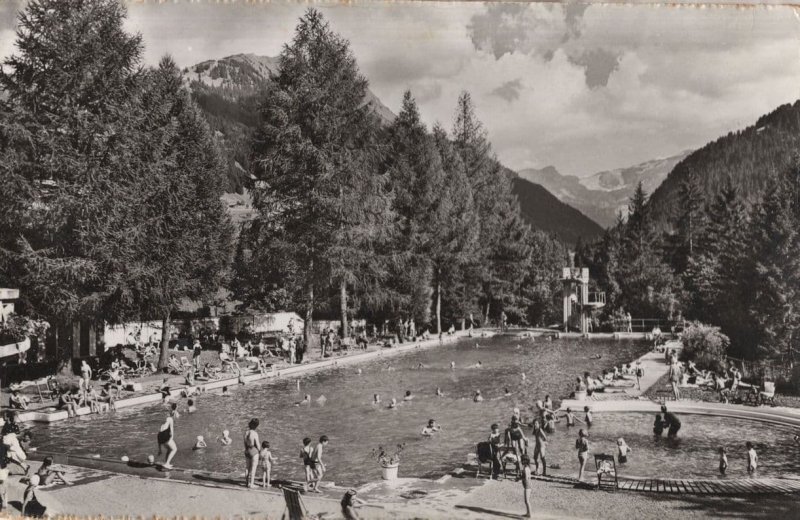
(389, 471)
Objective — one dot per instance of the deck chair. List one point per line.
(295, 508)
(606, 471)
(768, 394)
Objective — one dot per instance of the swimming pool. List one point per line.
(693, 454)
(354, 425)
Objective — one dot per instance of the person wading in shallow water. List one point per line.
(671, 422)
(166, 438)
(251, 451)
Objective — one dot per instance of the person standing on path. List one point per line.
(671, 422)
(675, 380)
(251, 451)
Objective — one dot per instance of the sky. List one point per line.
(581, 87)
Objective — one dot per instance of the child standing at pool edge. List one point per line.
(266, 458)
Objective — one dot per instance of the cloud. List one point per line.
(598, 65)
(509, 90)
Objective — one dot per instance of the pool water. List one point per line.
(356, 427)
(693, 454)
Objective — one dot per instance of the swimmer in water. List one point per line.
(452, 365)
(420, 366)
(393, 404)
(431, 428)
(376, 399)
(524, 376)
(506, 393)
(477, 365)
(306, 400)
(439, 392)
(322, 399)
(200, 444)
(408, 396)
(192, 407)
(226, 438)
(358, 371)
(477, 397)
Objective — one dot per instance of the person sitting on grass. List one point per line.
(18, 401)
(174, 365)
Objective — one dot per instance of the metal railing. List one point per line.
(647, 325)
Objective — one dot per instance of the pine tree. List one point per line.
(503, 236)
(776, 298)
(454, 233)
(185, 251)
(70, 162)
(315, 155)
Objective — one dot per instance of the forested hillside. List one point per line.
(746, 159)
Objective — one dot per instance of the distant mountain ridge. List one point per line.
(603, 195)
(227, 90)
(745, 158)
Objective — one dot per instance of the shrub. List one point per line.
(705, 345)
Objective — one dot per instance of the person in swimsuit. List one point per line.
(431, 428)
(349, 504)
(723, 461)
(477, 397)
(752, 458)
(495, 439)
(225, 440)
(251, 450)
(516, 440)
(588, 418)
(166, 438)
(319, 466)
(570, 416)
(658, 425)
(200, 444)
(408, 396)
(582, 445)
(539, 448)
(672, 422)
(266, 464)
(526, 485)
(308, 463)
(622, 451)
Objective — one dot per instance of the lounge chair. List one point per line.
(768, 394)
(295, 508)
(185, 363)
(606, 471)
